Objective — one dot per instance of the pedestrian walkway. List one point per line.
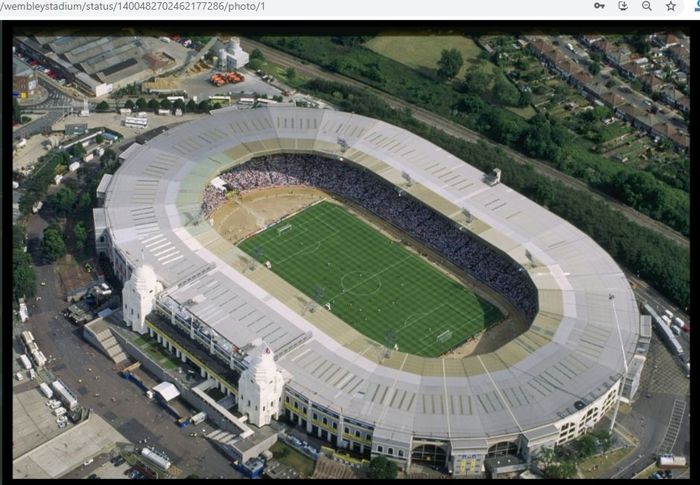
(674, 427)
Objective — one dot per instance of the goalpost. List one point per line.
(444, 336)
(283, 229)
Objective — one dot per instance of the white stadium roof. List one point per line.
(571, 352)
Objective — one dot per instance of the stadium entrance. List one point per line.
(433, 455)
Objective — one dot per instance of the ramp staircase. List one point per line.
(104, 340)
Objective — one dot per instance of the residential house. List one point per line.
(651, 82)
(681, 56)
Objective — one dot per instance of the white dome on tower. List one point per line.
(138, 295)
(260, 386)
(262, 363)
(144, 278)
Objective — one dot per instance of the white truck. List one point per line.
(198, 418)
(26, 363)
(46, 390)
(671, 461)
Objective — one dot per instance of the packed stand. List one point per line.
(367, 190)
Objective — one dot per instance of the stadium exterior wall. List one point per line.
(348, 429)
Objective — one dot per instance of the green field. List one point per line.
(421, 52)
(371, 282)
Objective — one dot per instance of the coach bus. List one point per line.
(265, 101)
(220, 99)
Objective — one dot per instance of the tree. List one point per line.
(129, 104)
(23, 276)
(256, 64)
(80, 234)
(257, 54)
(291, 73)
(153, 104)
(350, 40)
(179, 104)
(587, 446)
(594, 68)
(141, 104)
(63, 201)
(103, 106)
(566, 468)
(450, 63)
(546, 459)
(16, 112)
(108, 156)
(554, 464)
(166, 104)
(99, 139)
(605, 439)
(77, 150)
(476, 82)
(203, 106)
(381, 468)
(52, 244)
(84, 202)
(191, 106)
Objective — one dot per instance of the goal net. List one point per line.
(283, 229)
(444, 336)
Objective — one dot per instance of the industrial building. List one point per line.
(24, 81)
(186, 286)
(100, 65)
(232, 56)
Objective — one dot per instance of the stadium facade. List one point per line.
(544, 387)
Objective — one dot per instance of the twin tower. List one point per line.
(261, 384)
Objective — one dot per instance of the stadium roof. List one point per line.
(571, 352)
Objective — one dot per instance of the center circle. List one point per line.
(360, 283)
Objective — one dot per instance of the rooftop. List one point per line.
(570, 353)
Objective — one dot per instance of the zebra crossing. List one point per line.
(674, 427)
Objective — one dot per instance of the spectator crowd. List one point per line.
(390, 203)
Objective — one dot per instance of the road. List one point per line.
(454, 129)
(56, 105)
(663, 390)
(644, 293)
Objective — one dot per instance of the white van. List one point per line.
(19, 376)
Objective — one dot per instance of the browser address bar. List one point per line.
(356, 9)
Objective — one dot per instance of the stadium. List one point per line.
(353, 284)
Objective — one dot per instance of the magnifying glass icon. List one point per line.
(646, 5)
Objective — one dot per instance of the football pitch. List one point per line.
(371, 282)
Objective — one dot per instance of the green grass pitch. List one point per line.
(371, 282)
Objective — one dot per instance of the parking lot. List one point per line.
(121, 403)
(33, 422)
(199, 85)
